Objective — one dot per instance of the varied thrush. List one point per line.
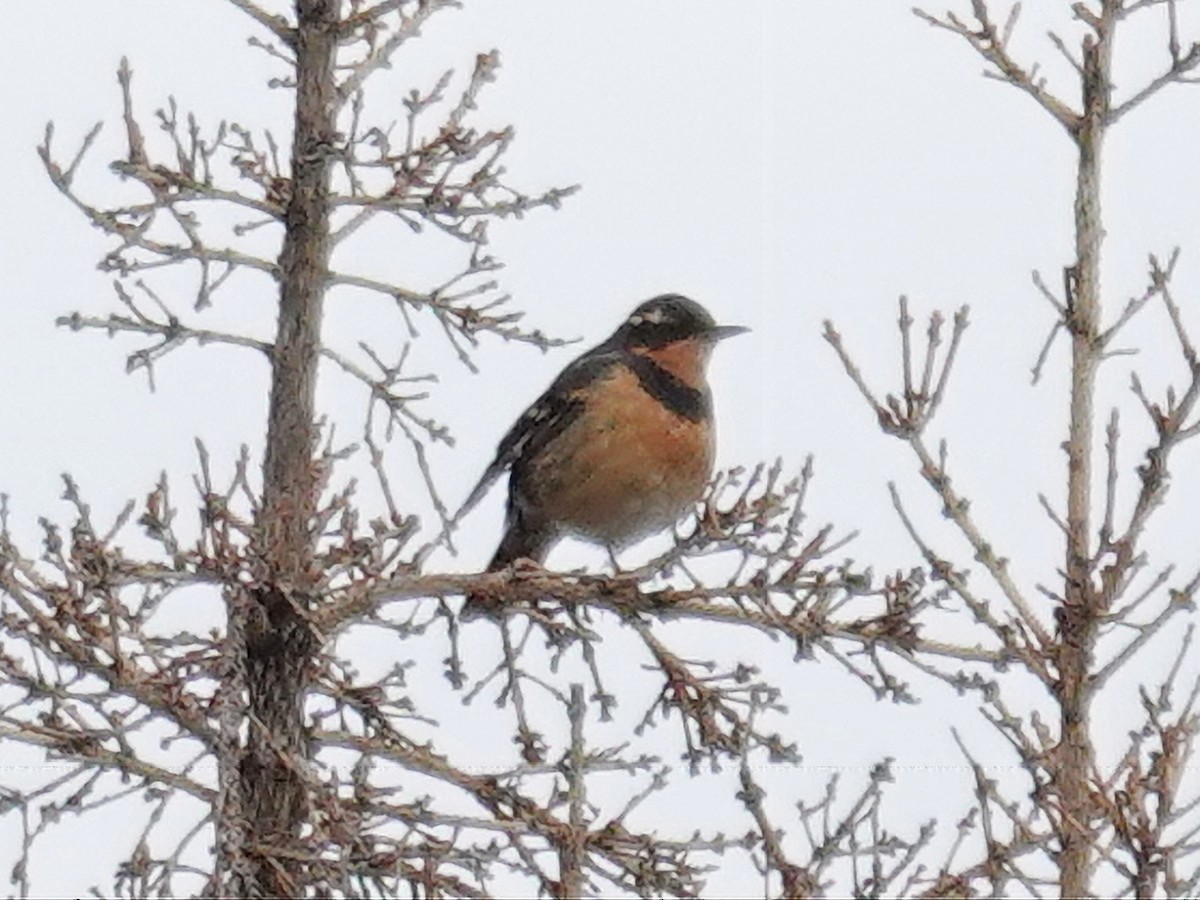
(619, 446)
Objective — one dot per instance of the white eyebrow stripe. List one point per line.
(653, 317)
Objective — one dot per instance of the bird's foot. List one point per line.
(489, 604)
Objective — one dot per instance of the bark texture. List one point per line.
(279, 642)
(1079, 616)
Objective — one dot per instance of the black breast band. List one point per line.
(682, 399)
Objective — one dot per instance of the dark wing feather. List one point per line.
(545, 419)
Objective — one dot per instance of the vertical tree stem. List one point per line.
(280, 645)
(1079, 616)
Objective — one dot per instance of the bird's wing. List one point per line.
(545, 419)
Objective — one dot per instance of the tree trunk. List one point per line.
(279, 643)
(1079, 617)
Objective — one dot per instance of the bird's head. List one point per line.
(668, 318)
(676, 332)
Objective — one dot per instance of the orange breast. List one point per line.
(636, 467)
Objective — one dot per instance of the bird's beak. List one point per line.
(720, 332)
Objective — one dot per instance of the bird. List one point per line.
(619, 446)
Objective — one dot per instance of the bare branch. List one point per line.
(990, 43)
(277, 25)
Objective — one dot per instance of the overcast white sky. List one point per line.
(783, 163)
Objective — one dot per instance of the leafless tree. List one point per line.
(1078, 817)
(295, 775)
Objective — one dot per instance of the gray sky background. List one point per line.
(783, 163)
